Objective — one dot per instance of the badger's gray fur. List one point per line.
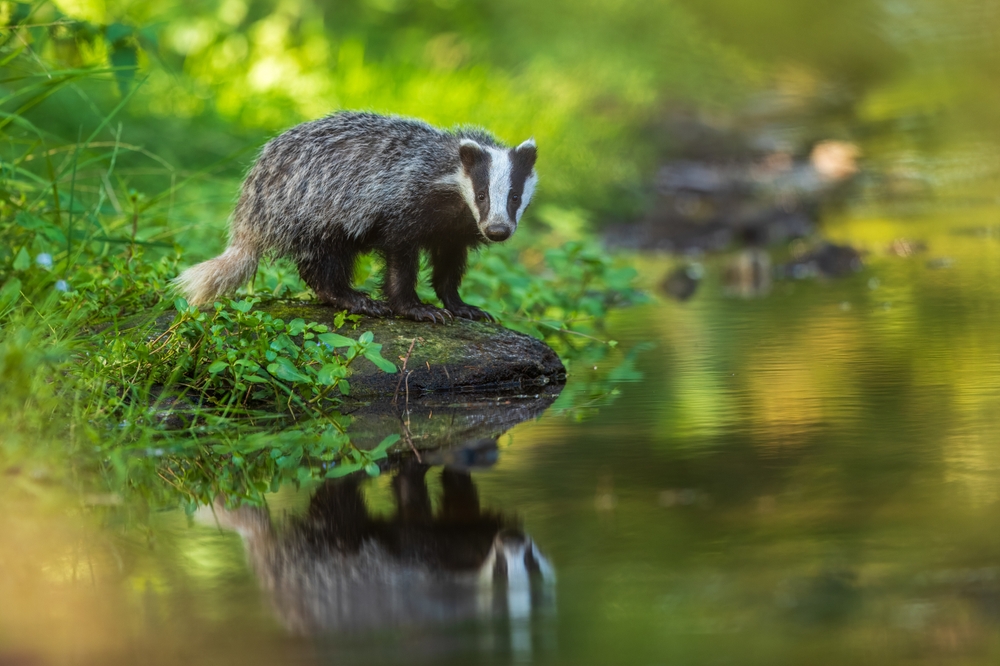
(326, 190)
(340, 568)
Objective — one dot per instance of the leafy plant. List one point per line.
(235, 358)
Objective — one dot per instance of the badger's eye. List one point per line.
(515, 198)
(481, 196)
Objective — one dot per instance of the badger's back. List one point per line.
(347, 173)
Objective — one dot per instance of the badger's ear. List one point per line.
(470, 153)
(527, 153)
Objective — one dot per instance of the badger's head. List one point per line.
(515, 559)
(497, 184)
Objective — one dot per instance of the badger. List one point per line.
(340, 568)
(352, 182)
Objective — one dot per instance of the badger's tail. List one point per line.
(204, 282)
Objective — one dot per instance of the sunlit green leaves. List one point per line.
(235, 357)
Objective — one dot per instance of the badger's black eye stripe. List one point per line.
(522, 163)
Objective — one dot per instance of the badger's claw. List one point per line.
(424, 312)
(466, 311)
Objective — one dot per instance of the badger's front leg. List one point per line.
(449, 267)
(400, 288)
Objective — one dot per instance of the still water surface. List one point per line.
(811, 476)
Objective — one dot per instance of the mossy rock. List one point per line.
(458, 356)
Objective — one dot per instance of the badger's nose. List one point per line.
(498, 232)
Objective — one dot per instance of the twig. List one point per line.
(403, 374)
(404, 379)
(406, 384)
(409, 439)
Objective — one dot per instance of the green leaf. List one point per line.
(116, 32)
(283, 369)
(26, 220)
(125, 59)
(330, 373)
(375, 357)
(181, 304)
(366, 337)
(342, 470)
(282, 342)
(296, 326)
(22, 261)
(218, 367)
(335, 340)
(372, 469)
(384, 445)
(9, 294)
(55, 235)
(255, 379)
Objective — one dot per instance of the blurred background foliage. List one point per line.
(593, 82)
(216, 77)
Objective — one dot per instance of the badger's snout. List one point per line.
(498, 232)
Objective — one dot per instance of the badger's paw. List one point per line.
(371, 308)
(424, 312)
(357, 303)
(466, 311)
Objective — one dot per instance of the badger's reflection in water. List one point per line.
(338, 568)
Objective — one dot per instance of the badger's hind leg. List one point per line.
(330, 275)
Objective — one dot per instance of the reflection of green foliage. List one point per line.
(583, 398)
(240, 465)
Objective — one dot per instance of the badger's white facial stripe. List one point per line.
(529, 143)
(544, 566)
(460, 181)
(529, 190)
(500, 171)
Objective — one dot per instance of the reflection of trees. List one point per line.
(340, 568)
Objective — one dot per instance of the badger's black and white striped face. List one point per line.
(515, 559)
(497, 185)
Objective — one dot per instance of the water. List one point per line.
(810, 476)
